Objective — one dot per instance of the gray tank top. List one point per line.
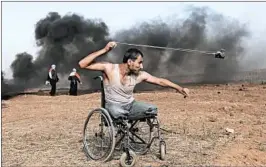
(116, 92)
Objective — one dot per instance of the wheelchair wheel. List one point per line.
(140, 136)
(99, 135)
(126, 161)
(162, 150)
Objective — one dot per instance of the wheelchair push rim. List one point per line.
(98, 135)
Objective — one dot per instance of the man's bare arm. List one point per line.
(163, 82)
(88, 62)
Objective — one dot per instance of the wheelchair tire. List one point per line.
(105, 121)
(162, 150)
(128, 163)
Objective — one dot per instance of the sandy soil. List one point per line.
(47, 131)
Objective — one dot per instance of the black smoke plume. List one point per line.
(67, 39)
(4, 85)
(204, 30)
(23, 68)
(63, 41)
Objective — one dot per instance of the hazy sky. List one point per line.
(19, 18)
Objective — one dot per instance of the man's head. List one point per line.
(74, 70)
(53, 67)
(134, 59)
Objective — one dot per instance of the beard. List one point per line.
(134, 72)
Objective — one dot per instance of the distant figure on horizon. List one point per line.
(52, 79)
(74, 79)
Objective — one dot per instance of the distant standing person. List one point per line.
(74, 79)
(52, 79)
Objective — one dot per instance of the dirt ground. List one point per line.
(47, 131)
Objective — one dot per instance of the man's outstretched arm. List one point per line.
(163, 82)
(88, 62)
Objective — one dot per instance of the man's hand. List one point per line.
(47, 82)
(88, 61)
(185, 92)
(110, 46)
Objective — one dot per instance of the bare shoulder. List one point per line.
(143, 75)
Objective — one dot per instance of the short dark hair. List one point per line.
(132, 54)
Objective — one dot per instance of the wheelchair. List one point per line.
(102, 134)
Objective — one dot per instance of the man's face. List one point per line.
(136, 66)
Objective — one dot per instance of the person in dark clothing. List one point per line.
(74, 79)
(52, 79)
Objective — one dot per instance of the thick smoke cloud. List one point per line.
(64, 40)
(23, 67)
(201, 30)
(4, 85)
(8, 87)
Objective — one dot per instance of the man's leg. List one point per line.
(54, 88)
(140, 110)
(116, 110)
(71, 89)
(53, 84)
(76, 89)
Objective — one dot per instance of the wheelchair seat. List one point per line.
(148, 114)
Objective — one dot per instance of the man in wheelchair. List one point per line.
(120, 80)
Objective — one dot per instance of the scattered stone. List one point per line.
(226, 109)
(242, 89)
(212, 119)
(229, 131)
